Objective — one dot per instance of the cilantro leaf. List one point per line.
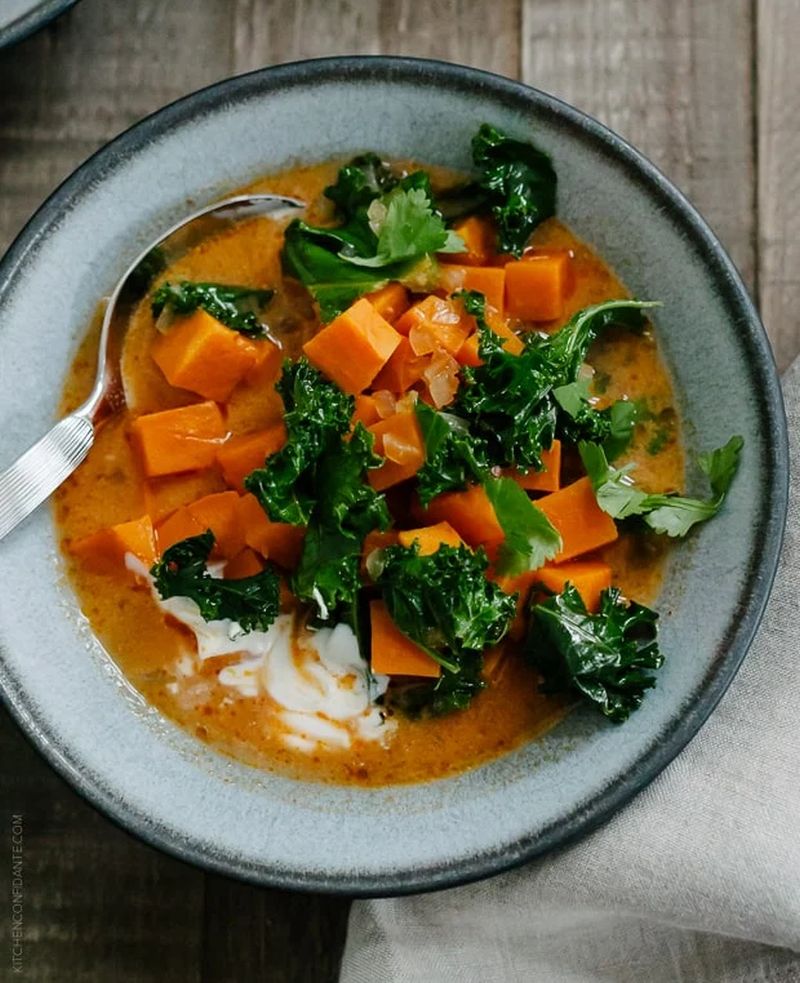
(316, 414)
(671, 514)
(252, 602)
(530, 538)
(235, 307)
(390, 232)
(453, 457)
(608, 658)
(519, 182)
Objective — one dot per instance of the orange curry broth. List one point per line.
(109, 489)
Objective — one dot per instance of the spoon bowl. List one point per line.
(35, 475)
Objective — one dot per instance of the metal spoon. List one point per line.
(35, 476)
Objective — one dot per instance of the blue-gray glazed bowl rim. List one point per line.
(767, 391)
(35, 19)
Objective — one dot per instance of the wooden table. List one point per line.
(707, 88)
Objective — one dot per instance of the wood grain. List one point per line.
(778, 88)
(675, 78)
(708, 90)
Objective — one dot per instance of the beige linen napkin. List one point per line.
(697, 879)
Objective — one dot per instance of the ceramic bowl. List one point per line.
(19, 18)
(175, 792)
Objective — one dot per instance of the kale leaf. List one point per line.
(443, 600)
(578, 420)
(671, 514)
(235, 307)
(317, 479)
(453, 457)
(509, 402)
(358, 183)
(316, 413)
(346, 509)
(519, 182)
(608, 658)
(530, 538)
(452, 691)
(389, 232)
(252, 602)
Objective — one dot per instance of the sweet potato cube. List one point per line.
(247, 563)
(468, 354)
(219, 513)
(398, 438)
(519, 584)
(203, 355)
(488, 280)
(430, 538)
(583, 525)
(366, 411)
(376, 540)
(267, 361)
(240, 455)
(163, 495)
(471, 514)
(536, 286)
(589, 577)
(546, 480)
(278, 541)
(479, 237)
(354, 347)
(390, 301)
(106, 551)
(183, 439)
(177, 527)
(393, 653)
(403, 369)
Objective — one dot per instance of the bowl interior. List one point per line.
(174, 791)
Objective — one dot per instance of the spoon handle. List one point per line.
(35, 476)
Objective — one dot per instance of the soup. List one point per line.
(371, 573)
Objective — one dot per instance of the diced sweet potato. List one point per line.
(488, 280)
(471, 514)
(247, 563)
(390, 301)
(583, 525)
(240, 455)
(430, 538)
(536, 286)
(589, 577)
(393, 653)
(468, 354)
(354, 347)
(219, 513)
(105, 551)
(376, 540)
(267, 361)
(519, 584)
(366, 411)
(163, 495)
(183, 439)
(479, 237)
(546, 480)
(277, 541)
(403, 369)
(204, 356)
(398, 438)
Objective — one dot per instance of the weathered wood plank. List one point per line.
(97, 905)
(672, 76)
(778, 91)
(454, 30)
